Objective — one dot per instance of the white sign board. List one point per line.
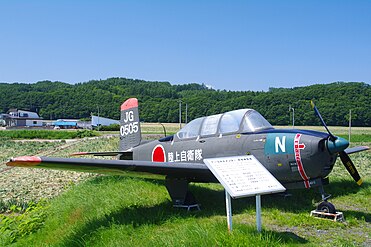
(243, 176)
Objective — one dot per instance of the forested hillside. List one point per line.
(159, 101)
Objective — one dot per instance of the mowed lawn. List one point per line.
(127, 211)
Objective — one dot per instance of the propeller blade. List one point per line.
(340, 145)
(350, 167)
(332, 137)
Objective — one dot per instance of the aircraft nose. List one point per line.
(338, 145)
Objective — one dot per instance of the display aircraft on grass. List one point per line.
(297, 158)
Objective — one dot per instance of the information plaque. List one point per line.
(243, 176)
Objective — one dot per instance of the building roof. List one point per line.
(64, 123)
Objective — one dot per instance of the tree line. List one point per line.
(159, 101)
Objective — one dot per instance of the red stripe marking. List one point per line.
(24, 161)
(297, 147)
(130, 103)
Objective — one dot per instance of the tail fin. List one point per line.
(130, 134)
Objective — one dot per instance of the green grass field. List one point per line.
(124, 211)
(45, 134)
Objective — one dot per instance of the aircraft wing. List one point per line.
(356, 149)
(104, 166)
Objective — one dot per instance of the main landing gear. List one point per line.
(180, 195)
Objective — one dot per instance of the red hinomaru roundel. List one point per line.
(158, 154)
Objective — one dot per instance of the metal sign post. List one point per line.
(228, 205)
(258, 214)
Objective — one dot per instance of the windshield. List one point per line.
(191, 129)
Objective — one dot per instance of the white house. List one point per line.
(19, 118)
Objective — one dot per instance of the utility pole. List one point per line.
(350, 124)
(186, 116)
(98, 117)
(293, 116)
(180, 114)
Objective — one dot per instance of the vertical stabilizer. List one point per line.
(130, 134)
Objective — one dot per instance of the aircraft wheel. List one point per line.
(326, 207)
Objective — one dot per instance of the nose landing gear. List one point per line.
(325, 206)
(326, 210)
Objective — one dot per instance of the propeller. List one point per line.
(338, 145)
(332, 137)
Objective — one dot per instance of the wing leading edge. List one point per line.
(191, 170)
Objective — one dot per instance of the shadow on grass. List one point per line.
(156, 215)
(137, 216)
(289, 237)
(212, 203)
(345, 187)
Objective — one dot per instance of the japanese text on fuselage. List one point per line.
(185, 155)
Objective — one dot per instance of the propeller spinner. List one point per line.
(338, 145)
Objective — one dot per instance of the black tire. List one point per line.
(326, 207)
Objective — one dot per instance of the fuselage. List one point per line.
(292, 156)
(297, 158)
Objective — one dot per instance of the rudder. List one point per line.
(130, 133)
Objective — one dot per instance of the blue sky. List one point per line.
(232, 45)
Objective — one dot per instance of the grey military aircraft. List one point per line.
(297, 158)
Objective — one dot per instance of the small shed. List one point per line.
(102, 121)
(65, 124)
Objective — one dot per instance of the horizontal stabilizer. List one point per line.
(356, 149)
(100, 153)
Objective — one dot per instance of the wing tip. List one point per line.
(24, 161)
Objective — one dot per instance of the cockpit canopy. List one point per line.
(238, 121)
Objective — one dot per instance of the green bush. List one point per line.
(46, 134)
(13, 206)
(112, 127)
(85, 133)
(15, 225)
